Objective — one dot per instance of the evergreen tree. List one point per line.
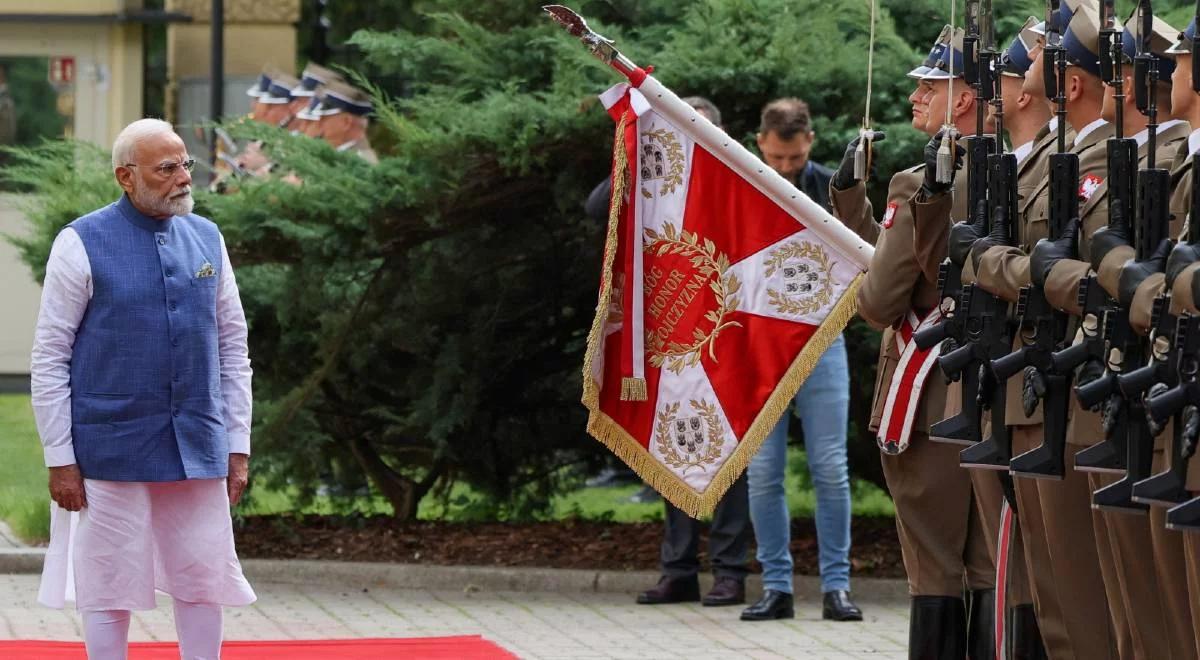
(422, 322)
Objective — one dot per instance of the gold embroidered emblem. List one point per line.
(688, 294)
(688, 441)
(807, 275)
(662, 158)
(205, 271)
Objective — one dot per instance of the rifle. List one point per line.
(1151, 227)
(1043, 328)
(1176, 385)
(956, 299)
(1166, 399)
(1103, 324)
(1181, 402)
(987, 332)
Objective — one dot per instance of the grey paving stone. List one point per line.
(533, 625)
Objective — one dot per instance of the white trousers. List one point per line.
(106, 632)
(134, 538)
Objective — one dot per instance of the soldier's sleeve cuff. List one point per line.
(239, 443)
(1109, 274)
(1002, 271)
(59, 456)
(1143, 302)
(1062, 285)
(1181, 290)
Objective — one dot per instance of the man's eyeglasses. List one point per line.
(168, 170)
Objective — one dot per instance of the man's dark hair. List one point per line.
(786, 118)
(705, 106)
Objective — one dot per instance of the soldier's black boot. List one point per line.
(937, 628)
(1024, 638)
(981, 625)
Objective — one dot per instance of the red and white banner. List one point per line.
(908, 380)
(722, 285)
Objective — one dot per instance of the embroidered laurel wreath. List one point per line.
(709, 264)
(805, 252)
(689, 459)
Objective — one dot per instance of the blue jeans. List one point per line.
(822, 404)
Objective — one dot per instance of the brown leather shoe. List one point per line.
(671, 590)
(725, 591)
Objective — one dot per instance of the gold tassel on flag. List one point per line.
(633, 389)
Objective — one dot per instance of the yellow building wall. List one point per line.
(107, 96)
(248, 48)
(69, 7)
(257, 33)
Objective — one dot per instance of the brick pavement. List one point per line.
(532, 625)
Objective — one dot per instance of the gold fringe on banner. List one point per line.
(629, 450)
(620, 181)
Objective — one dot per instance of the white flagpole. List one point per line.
(757, 173)
(718, 143)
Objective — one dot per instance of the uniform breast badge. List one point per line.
(1089, 186)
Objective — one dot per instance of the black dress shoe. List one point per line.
(725, 591)
(839, 607)
(671, 590)
(773, 605)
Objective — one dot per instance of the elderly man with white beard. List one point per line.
(141, 390)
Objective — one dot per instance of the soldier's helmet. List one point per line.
(1185, 41)
(1015, 60)
(935, 53)
(1162, 39)
(951, 62)
(313, 79)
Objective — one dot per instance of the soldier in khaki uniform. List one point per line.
(942, 540)
(1074, 571)
(1033, 132)
(1175, 554)
(1118, 275)
(343, 122)
(273, 106)
(312, 83)
(1185, 288)
(1130, 584)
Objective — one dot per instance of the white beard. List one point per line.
(163, 205)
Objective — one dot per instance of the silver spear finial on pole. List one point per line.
(600, 46)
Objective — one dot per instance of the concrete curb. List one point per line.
(22, 560)
(365, 575)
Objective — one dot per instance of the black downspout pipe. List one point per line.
(217, 73)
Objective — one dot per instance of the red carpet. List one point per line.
(471, 647)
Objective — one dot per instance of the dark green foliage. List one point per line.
(35, 100)
(69, 179)
(423, 321)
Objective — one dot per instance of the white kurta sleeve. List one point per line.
(65, 296)
(235, 359)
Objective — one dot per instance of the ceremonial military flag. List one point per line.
(722, 284)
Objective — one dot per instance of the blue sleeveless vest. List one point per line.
(145, 372)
